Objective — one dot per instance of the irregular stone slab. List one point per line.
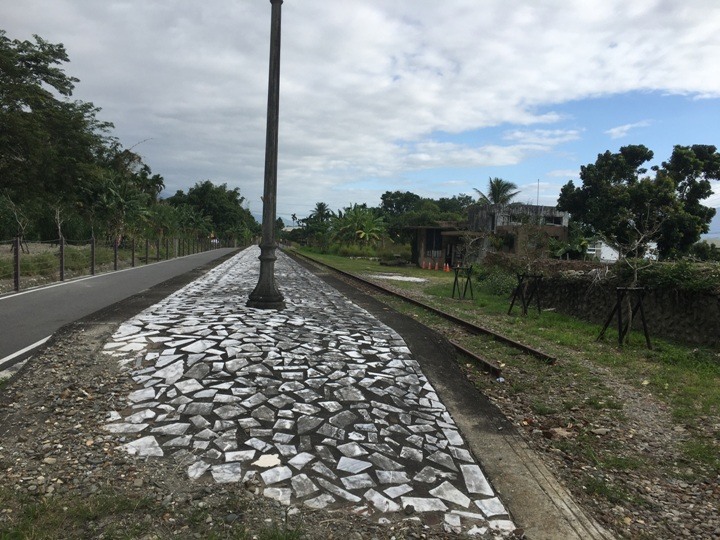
(275, 475)
(503, 525)
(240, 455)
(188, 386)
(324, 470)
(338, 491)
(198, 371)
(441, 458)
(197, 469)
(320, 502)
(146, 447)
(385, 463)
(178, 428)
(475, 480)
(303, 486)
(396, 491)
(452, 523)
(392, 477)
(381, 502)
(421, 504)
(124, 427)
(349, 393)
(429, 475)
(139, 417)
(199, 346)
(267, 461)
(228, 412)
(358, 481)
(412, 454)
(491, 508)
(226, 473)
(352, 465)
(300, 460)
(171, 373)
(145, 394)
(453, 437)
(282, 495)
(450, 493)
(306, 424)
(352, 450)
(179, 442)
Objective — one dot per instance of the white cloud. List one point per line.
(621, 131)
(366, 87)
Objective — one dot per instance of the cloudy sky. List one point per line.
(427, 96)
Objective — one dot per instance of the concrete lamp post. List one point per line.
(266, 294)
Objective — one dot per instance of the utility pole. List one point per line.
(266, 294)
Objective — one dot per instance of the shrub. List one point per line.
(496, 280)
(682, 275)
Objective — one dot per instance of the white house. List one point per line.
(604, 253)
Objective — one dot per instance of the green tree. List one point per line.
(47, 142)
(321, 213)
(499, 192)
(396, 203)
(316, 227)
(358, 224)
(457, 204)
(690, 168)
(119, 205)
(223, 208)
(619, 202)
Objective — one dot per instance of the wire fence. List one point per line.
(29, 264)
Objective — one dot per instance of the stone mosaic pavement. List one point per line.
(320, 403)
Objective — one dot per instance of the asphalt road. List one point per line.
(29, 318)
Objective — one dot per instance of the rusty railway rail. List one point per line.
(467, 325)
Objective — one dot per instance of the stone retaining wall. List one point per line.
(684, 316)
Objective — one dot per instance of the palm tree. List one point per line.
(499, 192)
(358, 225)
(321, 213)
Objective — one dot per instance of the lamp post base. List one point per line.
(266, 294)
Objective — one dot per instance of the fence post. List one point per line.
(167, 248)
(92, 255)
(132, 251)
(115, 253)
(62, 259)
(157, 250)
(147, 251)
(16, 263)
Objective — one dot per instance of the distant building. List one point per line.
(514, 228)
(601, 251)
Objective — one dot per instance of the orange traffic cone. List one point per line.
(437, 267)
(447, 267)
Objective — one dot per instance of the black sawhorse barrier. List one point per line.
(528, 287)
(624, 328)
(463, 282)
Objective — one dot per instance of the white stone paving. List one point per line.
(320, 402)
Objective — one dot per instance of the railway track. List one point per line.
(468, 326)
